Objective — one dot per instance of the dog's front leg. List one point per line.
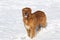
(32, 33)
(28, 32)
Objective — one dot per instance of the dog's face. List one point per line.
(26, 12)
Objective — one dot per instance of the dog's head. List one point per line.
(26, 12)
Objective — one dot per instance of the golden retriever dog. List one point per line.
(33, 20)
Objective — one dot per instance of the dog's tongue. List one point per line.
(25, 16)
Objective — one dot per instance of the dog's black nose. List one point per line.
(26, 14)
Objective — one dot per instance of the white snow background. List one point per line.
(11, 24)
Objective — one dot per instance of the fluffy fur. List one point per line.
(33, 20)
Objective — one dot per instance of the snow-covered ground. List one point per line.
(12, 27)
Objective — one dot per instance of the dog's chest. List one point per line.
(27, 27)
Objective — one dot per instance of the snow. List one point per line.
(11, 24)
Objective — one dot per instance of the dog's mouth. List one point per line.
(26, 15)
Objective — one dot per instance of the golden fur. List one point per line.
(33, 20)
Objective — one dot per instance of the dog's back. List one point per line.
(40, 16)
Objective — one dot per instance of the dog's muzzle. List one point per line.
(26, 15)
